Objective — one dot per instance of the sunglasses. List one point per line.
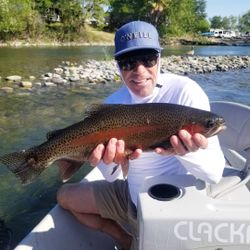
(130, 63)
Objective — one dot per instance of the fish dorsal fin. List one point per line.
(95, 109)
(53, 133)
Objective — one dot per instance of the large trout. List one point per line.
(144, 126)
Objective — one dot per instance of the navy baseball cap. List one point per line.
(135, 36)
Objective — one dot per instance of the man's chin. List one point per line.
(143, 92)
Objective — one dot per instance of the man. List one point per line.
(106, 205)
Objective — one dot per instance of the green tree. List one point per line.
(244, 22)
(67, 18)
(16, 18)
(71, 15)
(231, 22)
(225, 23)
(200, 8)
(201, 23)
(94, 11)
(123, 11)
(187, 16)
(175, 17)
(216, 22)
(157, 12)
(180, 16)
(43, 6)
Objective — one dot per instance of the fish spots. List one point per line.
(123, 133)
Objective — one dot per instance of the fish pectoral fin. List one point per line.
(67, 168)
(163, 144)
(125, 167)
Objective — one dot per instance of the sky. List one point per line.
(227, 7)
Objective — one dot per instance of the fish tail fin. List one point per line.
(23, 164)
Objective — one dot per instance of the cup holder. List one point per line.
(164, 192)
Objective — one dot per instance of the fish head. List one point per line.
(214, 125)
(207, 126)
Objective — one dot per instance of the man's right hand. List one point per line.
(113, 152)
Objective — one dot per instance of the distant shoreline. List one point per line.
(17, 44)
(213, 41)
(200, 41)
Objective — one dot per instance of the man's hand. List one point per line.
(113, 152)
(184, 143)
(115, 149)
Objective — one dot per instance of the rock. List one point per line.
(23, 93)
(74, 78)
(67, 73)
(7, 89)
(58, 70)
(14, 78)
(86, 88)
(56, 76)
(50, 84)
(37, 84)
(46, 78)
(59, 81)
(26, 84)
(220, 67)
(48, 74)
(73, 70)
(32, 77)
(83, 76)
(67, 63)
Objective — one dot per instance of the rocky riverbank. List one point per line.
(232, 41)
(101, 72)
(109, 41)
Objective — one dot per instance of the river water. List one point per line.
(26, 117)
(36, 61)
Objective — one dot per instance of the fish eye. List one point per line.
(210, 123)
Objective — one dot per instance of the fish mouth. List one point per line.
(215, 130)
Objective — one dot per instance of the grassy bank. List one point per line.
(89, 36)
(92, 36)
(202, 40)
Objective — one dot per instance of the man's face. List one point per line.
(139, 71)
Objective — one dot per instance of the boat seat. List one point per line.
(231, 178)
(235, 143)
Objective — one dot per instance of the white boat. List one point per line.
(194, 215)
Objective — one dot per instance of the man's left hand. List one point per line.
(184, 143)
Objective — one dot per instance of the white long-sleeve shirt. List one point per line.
(206, 164)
